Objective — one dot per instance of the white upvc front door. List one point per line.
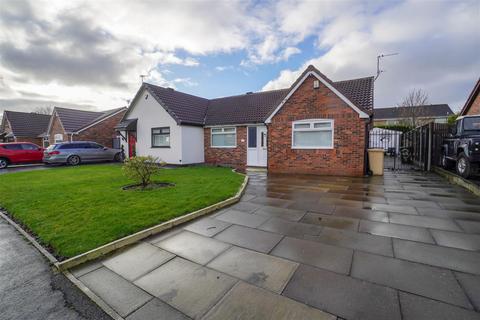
(257, 146)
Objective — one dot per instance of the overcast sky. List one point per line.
(90, 54)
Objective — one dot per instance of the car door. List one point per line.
(95, 152)
(16, 153)
(32, 152)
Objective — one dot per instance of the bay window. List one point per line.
(312, 134)
(225, 137)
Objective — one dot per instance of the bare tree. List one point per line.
(409, 104)
(43, 110)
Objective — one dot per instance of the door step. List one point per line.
(257, 169)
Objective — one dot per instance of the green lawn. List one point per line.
(75, 209)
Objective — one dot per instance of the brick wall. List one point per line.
(475, 106)
(233, 157)
(103, 132)
(57, 129)
(37, 141)
(347, 156)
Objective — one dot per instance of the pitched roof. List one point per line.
(245, 108)
(25, 124)
(431, 110)
(74, 120)
(250, 107)
(471, 98)
(184, 108)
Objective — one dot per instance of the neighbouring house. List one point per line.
(437, 113)
(24, 127)
(472, 106)
(80, 125)
(315, 126)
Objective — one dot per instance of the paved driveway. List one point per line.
(403, 246)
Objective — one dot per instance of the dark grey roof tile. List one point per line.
(24, 124)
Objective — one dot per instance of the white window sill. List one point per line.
(312, 148)
(223, 147)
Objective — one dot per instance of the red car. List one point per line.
(19, 153)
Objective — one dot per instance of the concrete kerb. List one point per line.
(453, 178)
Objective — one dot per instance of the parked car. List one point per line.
(19, 153)
(74, 153)
(462, 146)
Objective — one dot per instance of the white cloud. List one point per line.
(439, 55)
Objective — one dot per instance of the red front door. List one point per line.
(132, 142)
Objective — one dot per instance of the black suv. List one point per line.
(462, 146)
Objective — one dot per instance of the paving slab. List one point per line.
(117, 292)
(344, 296)
(259, 269)
(242, 218)
(292, 229)
(273, 202)
(450, 258)
(249, 238)
(86, 268)
(459, 240)
(395, 231)
(355, 240)
(465, 215)
(137, 260)
(281, 213)
(156, 309)
(316, 206)
(316, 254)
(245, 206)
(331, 221)
(423, 221)
(186, 286)
(390, 208)
(469, 226)
(432, 282)
(420, 308)
(246, 302)
(207, 226)
(358, 213)
(193, 247)
(471, 285)
(414, 203)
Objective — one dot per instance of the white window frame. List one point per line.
(223, 132)
(311, 122)
(56, 136)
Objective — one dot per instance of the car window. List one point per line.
(28, 146)
(471, 124)
(13, 147)
(94, 146)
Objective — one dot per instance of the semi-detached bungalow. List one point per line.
(316, 126)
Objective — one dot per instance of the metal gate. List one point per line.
(397, 146)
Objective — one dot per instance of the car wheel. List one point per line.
(118, 157)
(464, 167)
(3, 163)
(446, 163)
(73, 160)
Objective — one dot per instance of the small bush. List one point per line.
(141, 169)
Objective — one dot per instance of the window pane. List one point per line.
(322, 125)
(302, 126)
(161, 140)
(216, 129)
(229, 129)
(252, 137)
(165, 130)
(155, 131)
(223, 140)
(312, 139)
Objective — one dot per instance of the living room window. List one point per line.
(161, 137)
(225, 137)
(312, 134)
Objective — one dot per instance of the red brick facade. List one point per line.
(474, 107)
(234, 157)
(102, 133)
(348, 154)
(57, 128)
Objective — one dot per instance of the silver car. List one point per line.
(74, 153)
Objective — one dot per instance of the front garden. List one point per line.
(75, 209)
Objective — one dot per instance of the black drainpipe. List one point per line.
(367, 144)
